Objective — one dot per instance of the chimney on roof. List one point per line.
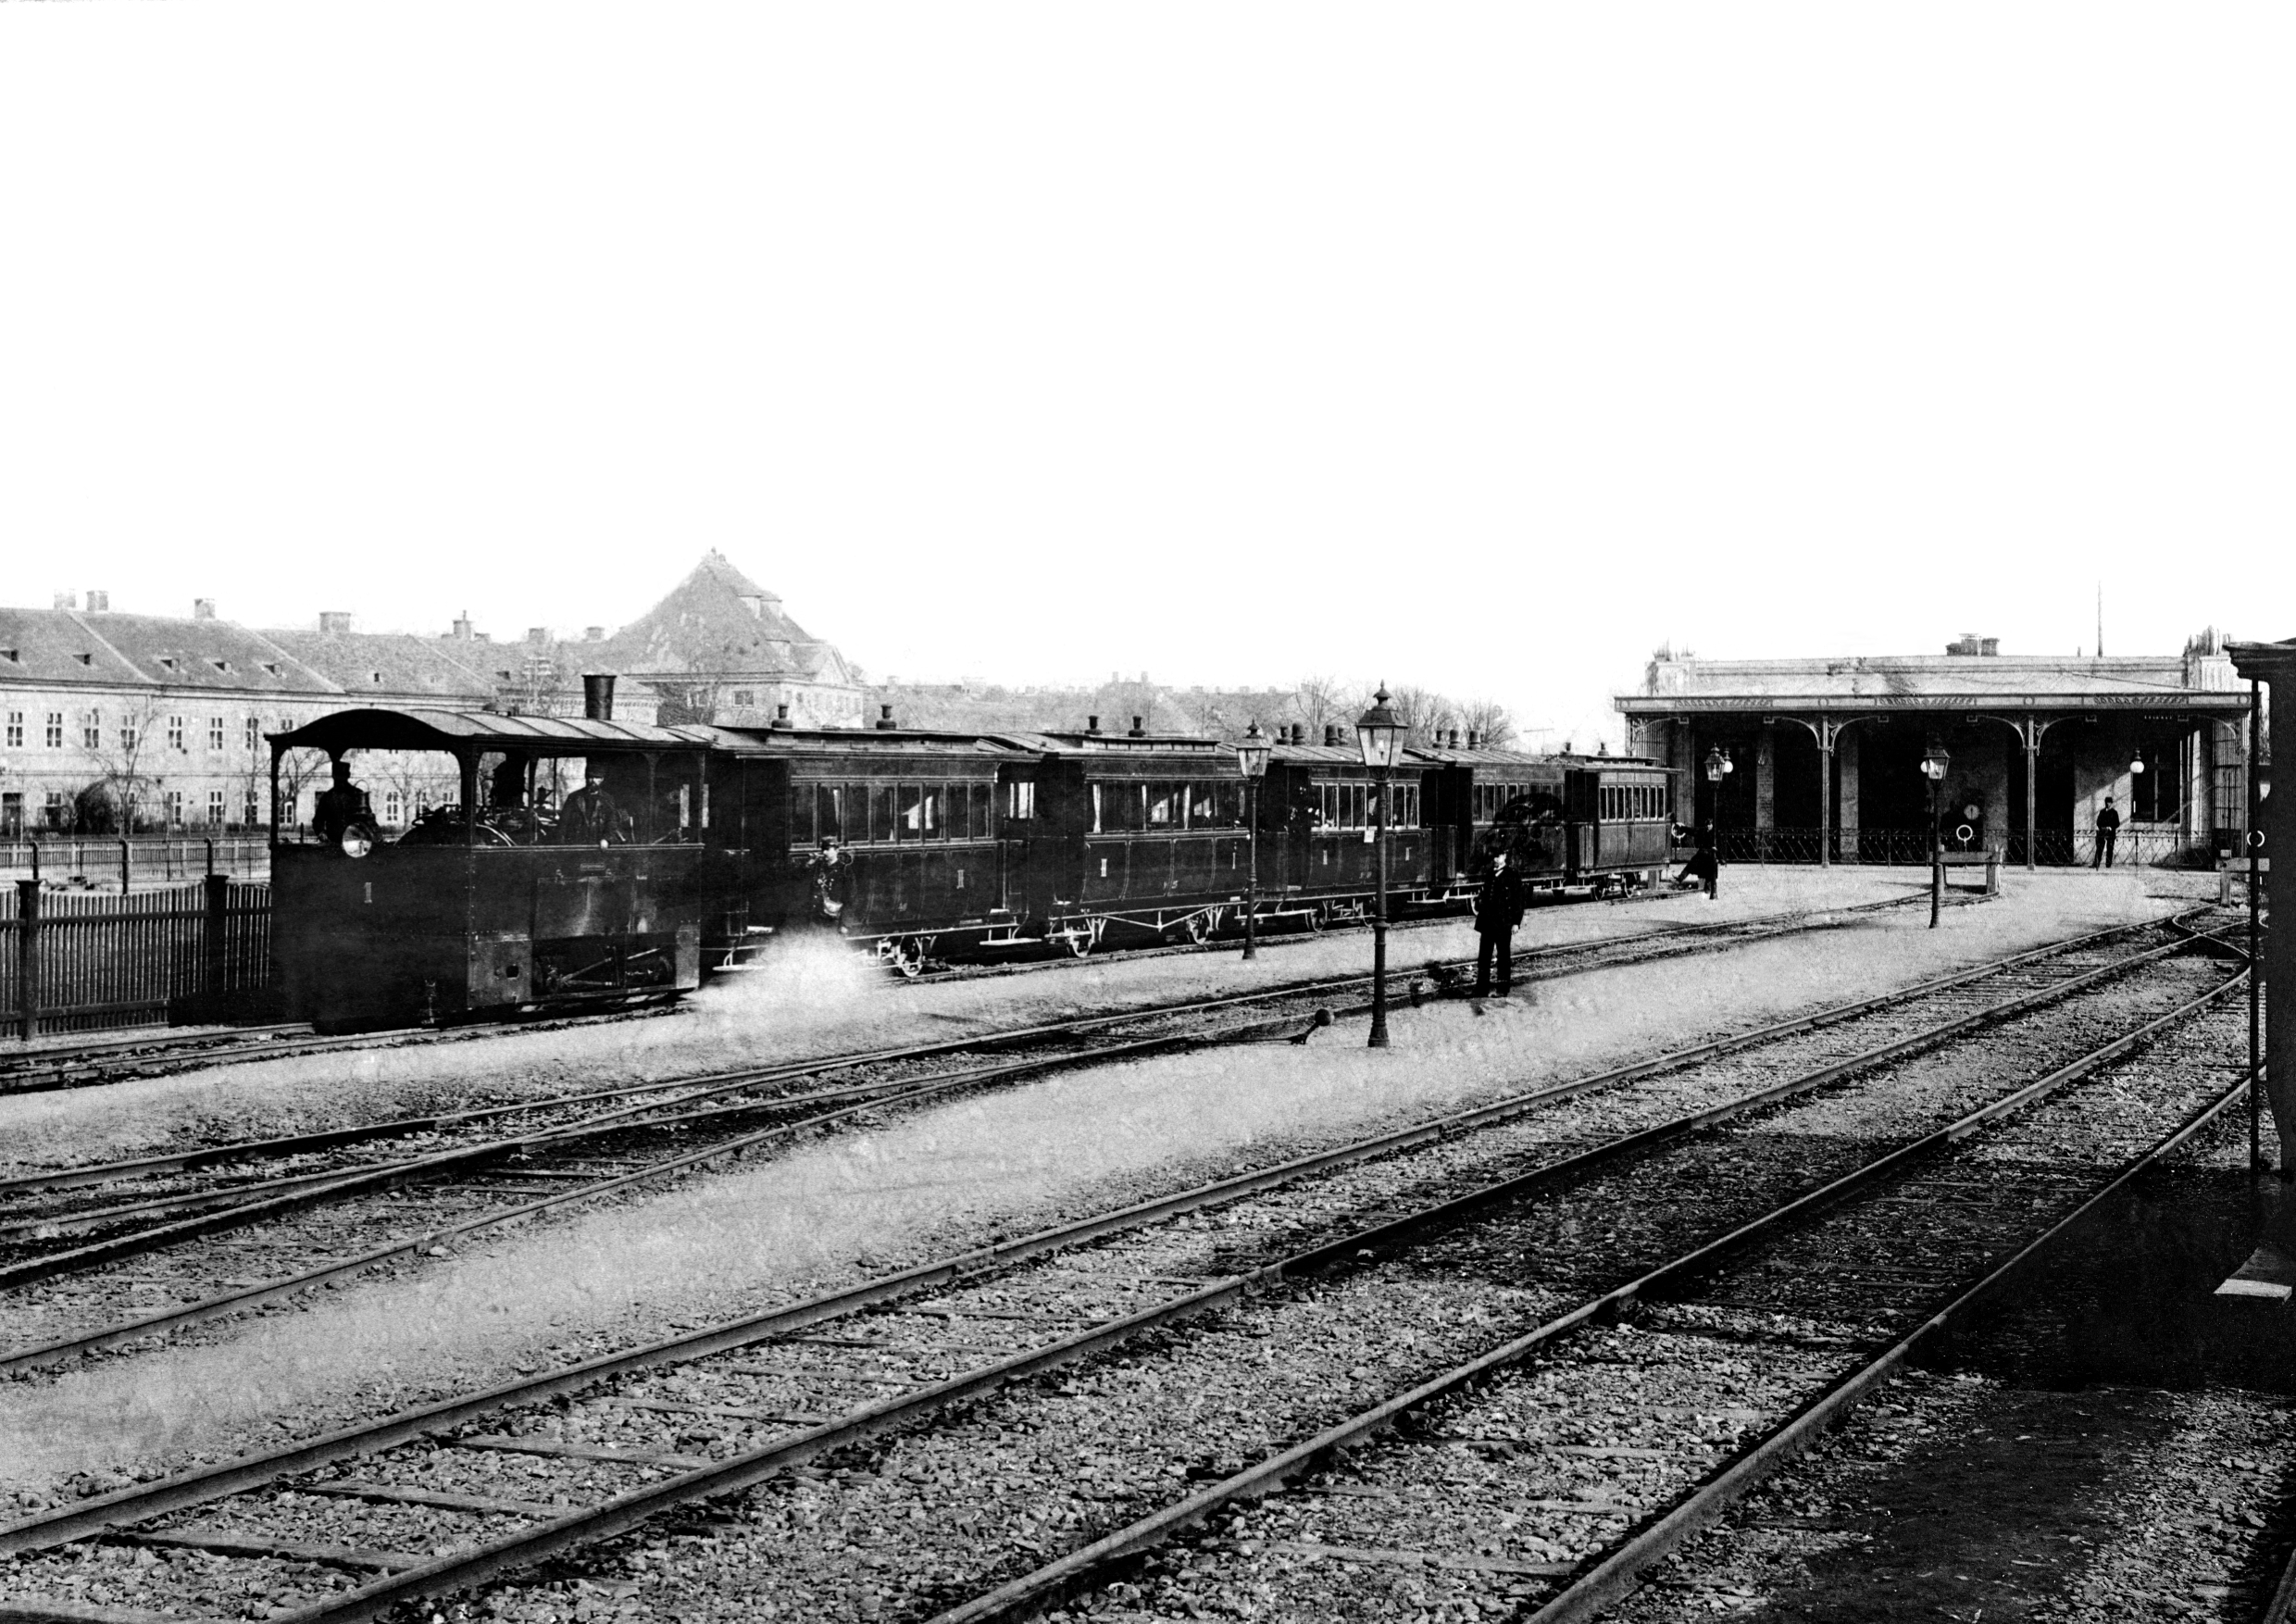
(1091, 724)
(202, 608)
(593, 634)
(884, 719)
(334, 622)
(99, 601)
(462, 627)
(781, 715)
(538, 634)
(68, 600)
(1989, 647)
(1971, 645)
(1137, 731)
(598, 695)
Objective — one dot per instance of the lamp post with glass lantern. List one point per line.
(1252, 753)
(1718, 766)
(1380, 736)
(1934, 760)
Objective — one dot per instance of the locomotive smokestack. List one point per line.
(598, 695)
(884, 719)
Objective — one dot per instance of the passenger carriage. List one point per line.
(476, 906)
(1319, 814)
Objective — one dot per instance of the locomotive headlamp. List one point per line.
(1253, 751)
(1378, 734)
(356, 841)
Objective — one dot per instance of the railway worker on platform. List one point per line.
(1704, 865)
(1497, 909)
(2108, 830)
(341, 808)
(589, 816)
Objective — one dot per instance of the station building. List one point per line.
(1826, 755)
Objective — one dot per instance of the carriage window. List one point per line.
(1202, 811)
(1166, 810)
(881, 812)
(915, 807)
(1021, 803)
(983, 817)
(955, 813)
(1228, 806)
(828, 811)
(1123, 807)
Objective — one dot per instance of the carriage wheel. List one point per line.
(907, 958)
(1319, 915)
(1198, 928)
(1080, 943)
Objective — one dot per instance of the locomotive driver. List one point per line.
(589, 816)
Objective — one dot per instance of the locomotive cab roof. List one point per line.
(459, 730)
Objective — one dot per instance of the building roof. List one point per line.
(716, 622)
(102, 649)
(396, 662)
(2202, 679)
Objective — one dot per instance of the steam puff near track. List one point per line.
(762, 1020)
(945, 1177)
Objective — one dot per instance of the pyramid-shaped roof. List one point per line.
(716, 620)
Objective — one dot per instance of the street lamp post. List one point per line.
(1934, 760)
(1252, 753)
(1718, 766)
(1380, 736)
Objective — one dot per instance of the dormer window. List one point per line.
(378, 677)
(14, 657)
(221, 665)
(87, 659)
(166, 659)
(272, 666)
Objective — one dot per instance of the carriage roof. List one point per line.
(460, 731)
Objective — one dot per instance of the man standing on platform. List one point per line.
(1497, 909)
(2108, 826)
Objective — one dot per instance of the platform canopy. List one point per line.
(459, 731)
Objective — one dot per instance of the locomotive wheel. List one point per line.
(907, 958)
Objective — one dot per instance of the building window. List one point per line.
(55, 730)
(92, 731)
(175, 732)
(255, 733)
(745, 696)
(175, 808)
(11, 815)
(16, 729)
(251, 814)
(127, 733)
(54, 810)
(215, 808)
(215, 733)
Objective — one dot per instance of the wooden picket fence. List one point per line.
(81, 961)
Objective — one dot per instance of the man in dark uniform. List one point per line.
(341, 808)
(1497, 909)
(2108, 829)
(1704, 864)
(589, 816)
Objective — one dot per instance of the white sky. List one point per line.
(1482, 347)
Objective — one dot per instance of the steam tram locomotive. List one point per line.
(919, 844)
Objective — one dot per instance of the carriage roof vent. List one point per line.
(1474, 740)
(1138, 730)
(781, 715)
(1332, 735)
(1091, 724)
(884, 719)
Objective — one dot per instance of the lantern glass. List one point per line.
(1252, 752)
(2136, 764)
(1378, 734)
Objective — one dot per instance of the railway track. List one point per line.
(1381, 1251)
(338, 1194)
(159, 1053)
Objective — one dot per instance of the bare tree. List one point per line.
(1423, 712)
(1490, 721)
(1321, 702)
(125, 754)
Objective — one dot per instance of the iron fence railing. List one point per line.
(137, 862)
(2133, 847)
(82, 960)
